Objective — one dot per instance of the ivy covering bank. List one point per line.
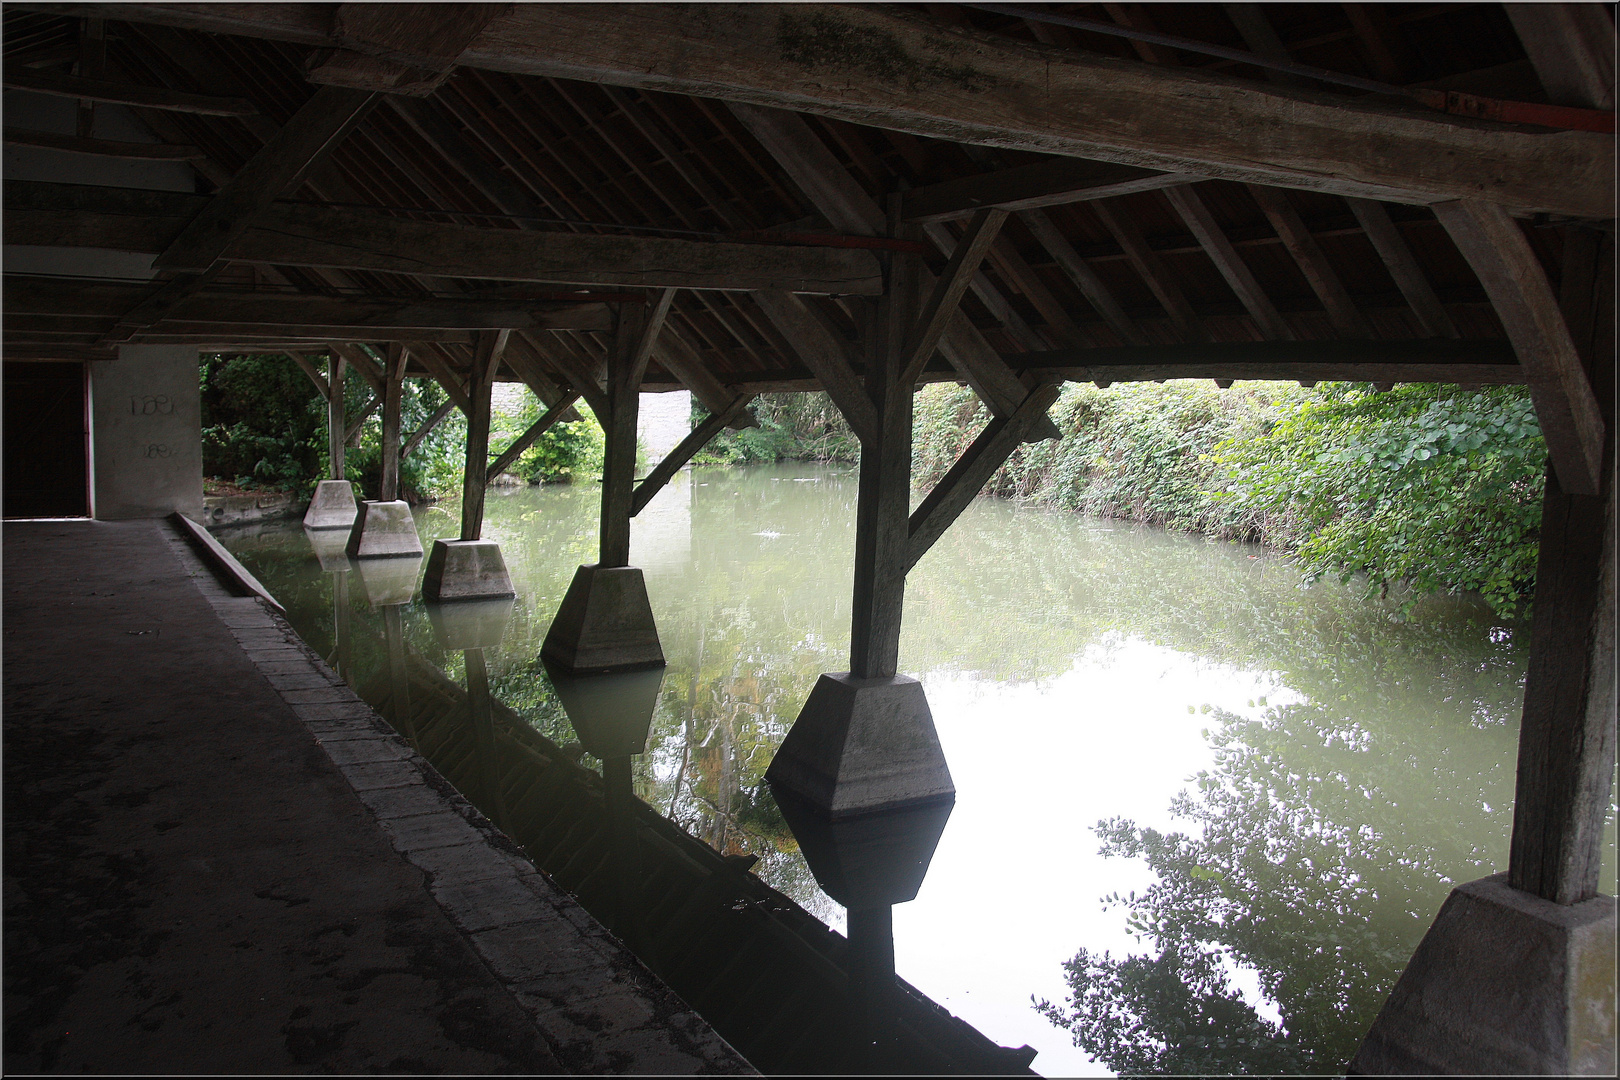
(1431, 486)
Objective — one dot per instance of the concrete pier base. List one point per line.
(605, 623)
(861, 745)
(332, 506)
(1504, 982)
(471, 624)
(466, 570)
(388, 582)
(384, 529)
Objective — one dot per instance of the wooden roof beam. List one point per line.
(1191, 207)
(1150, 267)
(1054, 182)
(115, 93)
(1403, 267)
(1044, 99)
(1083, 276)
(304, 235)
(1347, 319)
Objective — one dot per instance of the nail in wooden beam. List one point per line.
(1513, 277)
(684, 451)
(961, 485)
(1347, 319)
(1208, 232)
(393, 399)
(638, 329)
(1403, 267)
(547, 420)
(948, 289)
(480, 384)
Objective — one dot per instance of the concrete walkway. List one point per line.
(217, 859)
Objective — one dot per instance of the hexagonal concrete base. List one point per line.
(1503, 982)
(861, 745)
(605, 623)
(332, 506)
(466, 570)
(384, 529)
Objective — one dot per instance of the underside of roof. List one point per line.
(483, 190)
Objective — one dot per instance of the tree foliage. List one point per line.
(792, 427)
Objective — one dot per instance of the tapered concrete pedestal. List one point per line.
(388, 582)
(605, 623)
(332, 506)
(861, 745)
(466, 570)
(384, 529)
(1503, 982)
(471, 624)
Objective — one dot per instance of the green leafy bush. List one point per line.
(792, 427)
(263, 422)
(565, 453)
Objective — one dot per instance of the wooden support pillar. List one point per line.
(884, 494)
(636, 329)
(336, 429)
(480, 384)
(1567, 735)
(393, 393)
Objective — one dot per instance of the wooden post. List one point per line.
(480, 386)
(1567, 735)
(394, 389)
(636, 328)
(336, 427)
(884, 494)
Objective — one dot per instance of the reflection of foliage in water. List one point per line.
(1323, 842)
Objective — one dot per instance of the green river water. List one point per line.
(1296, 775)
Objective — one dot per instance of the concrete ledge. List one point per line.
(332, 506)
(243, 509)
(1503, 982)
(860, 745)
(604, 624)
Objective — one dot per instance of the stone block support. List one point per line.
(384, 529)
(332, 506)
(1503, 983)
(605, 623)
(466, 570)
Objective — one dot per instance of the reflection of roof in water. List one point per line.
(766, 974)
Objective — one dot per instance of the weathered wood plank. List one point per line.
(393, 399)
(110, 148)
(443, 373)
(1403, 267)
(308, 368)
(303, 235)
(947, 291)
(1150, 267)
(149, 97)
(400, 48)
(679, 359)
(427, 428)
(1083, 276)
(936, 82)
(962, 483)
(314, 130)
(1262, 355)
(683, 452)
(1572, 49)
(362, 363)
(1208, 232)
(547, 419)
(480, 384)
(1312, 261)
(823, 354)
(1513, 277)
(1055, 182)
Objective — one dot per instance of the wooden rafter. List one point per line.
(1347, 319)
(1083, 276)
(146, 97)
(1054, 182)
(1150, 267)
(1190, 205)
(1403, 267)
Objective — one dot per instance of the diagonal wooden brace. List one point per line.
(684, 451)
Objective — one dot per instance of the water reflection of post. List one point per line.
(472, 626)
(390, 584)
(612, 715)
(868, 863)
(328, 545)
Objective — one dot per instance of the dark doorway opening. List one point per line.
(46, 461)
